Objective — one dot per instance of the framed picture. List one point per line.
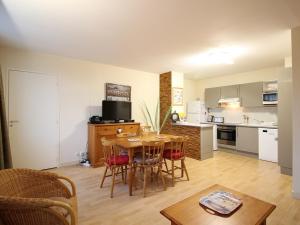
(177, 96)
(116, 92)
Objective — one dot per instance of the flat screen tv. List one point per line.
(116, 110)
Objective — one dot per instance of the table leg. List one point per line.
(130, 180)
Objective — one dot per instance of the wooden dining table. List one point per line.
(135, 143)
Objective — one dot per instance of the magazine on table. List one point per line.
(221, 202)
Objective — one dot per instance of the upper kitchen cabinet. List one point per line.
(230, 91)
(251, 94)
(212, 97)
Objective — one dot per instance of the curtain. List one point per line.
(5, 154)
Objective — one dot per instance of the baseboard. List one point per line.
(73, 163)
(296, 195)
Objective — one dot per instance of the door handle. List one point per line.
(14, 121)
(11, 122)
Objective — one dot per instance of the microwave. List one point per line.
(270, 98)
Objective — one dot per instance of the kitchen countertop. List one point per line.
(201, 125)
(262, 125)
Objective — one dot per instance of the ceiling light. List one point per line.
(222, 55)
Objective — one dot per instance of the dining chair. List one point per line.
(176, 152)
(150, 157)
(114, 161)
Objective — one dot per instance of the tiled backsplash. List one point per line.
(235, 115)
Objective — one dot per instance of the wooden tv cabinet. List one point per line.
(97, 131)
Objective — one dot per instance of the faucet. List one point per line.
(246, 118)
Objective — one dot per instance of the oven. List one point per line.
(226, 136)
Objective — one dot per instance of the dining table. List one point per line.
(132, 144)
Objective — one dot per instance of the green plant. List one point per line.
(155, 123)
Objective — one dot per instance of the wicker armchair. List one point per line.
(30, 197)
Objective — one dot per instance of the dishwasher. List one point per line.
(268, 144)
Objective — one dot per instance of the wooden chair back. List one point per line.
(110, 150)
(152, 152)
(177, 146)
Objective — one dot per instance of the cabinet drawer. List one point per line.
(131, 128)
(107, 130)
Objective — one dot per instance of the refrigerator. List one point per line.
(196, 112)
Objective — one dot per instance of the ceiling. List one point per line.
(154, 36)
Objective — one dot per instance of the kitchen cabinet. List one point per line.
(247, 139)
(212, 97)
(285, 131)
(230, 91)
(251, 94)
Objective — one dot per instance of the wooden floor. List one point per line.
(254, 177)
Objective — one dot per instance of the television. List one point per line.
(116, 110)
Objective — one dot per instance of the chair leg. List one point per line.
(125, 174)
(151, 174)
(166, 165)
(162, 177)
(113, 182)
(145, 181)
(122, 171)
(103, 178)
(182, 168)
(185, 170)
(134, 178)
(173, 173)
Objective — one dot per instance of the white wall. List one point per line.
(296, 110)
(189, 90)
(81, 87)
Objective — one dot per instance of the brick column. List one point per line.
(165, 96)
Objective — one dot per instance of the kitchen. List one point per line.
(251, 118)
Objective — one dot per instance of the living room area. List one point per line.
(149, 113)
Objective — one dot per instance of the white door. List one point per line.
(33, 112)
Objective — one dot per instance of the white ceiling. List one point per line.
(153, 35)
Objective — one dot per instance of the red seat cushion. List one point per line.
(118, 160)
(170, 154)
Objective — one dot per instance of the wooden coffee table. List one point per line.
(190, 212)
